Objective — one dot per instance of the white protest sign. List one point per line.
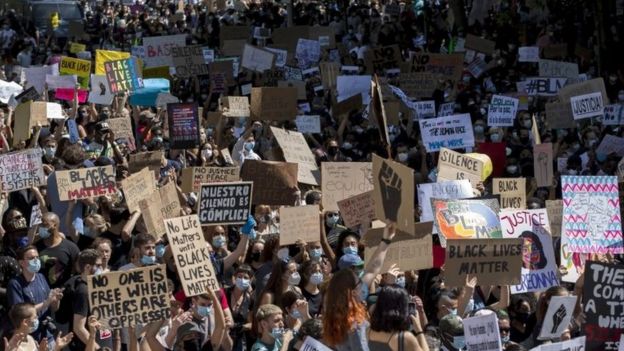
(162, 99)
(56, 82)
(255, 59)
(477, 67)
(35, 215)
(8, 89)
(586, 106)
(54, 110)
(558, 316)
(611, 144)
(482, 333)
(280, 56)
(502, 111)
(576, 344)
(541, 86)
(621, 345)
(452, 132)
(308, 52)
(158, 49)
(550, 68)
(208, 54)
(425, 109)
(36, 76)
(528, 54)
(308, 123)
(347, 86)
(311, 344)
(451, 189)
(100, 93)
(446, 109)
(613, 115)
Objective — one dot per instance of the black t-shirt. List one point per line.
(315, 302)
(57, 263)
(120, 249)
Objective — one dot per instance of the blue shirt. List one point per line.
(35, 292)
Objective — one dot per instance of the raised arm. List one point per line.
(373, 267)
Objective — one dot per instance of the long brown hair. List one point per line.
(341, 309)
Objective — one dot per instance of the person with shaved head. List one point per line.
(58, 254)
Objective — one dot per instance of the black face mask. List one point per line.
(255, 256)
(192, 345)
(332, 151)
(522, 317)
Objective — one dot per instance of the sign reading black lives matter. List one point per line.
(127, 298)
(225, 203)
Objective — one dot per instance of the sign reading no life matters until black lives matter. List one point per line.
(191, 255)
(225, 203)
(127, 298)
(183, 125)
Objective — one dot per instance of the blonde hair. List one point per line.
(99, 222)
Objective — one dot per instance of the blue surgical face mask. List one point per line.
(218, 241)
(148, 260)
(34, 265)
(49, 152)
(316, 253)
(44, 232)
(160, 250)
(601, 157)
(249, 145)
(88, 232)
(34, 327)
(459, 342)
(204, 311)
(331, 220)
(22, 242)
(350, 250)
(316, 278)
(277, 333)
(400, 282)
(242, 284)
(453, 311)
(296, 314)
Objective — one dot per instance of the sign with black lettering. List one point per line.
(225, 203)
(193, 177)
(482, 333)
(377, 60)
(191, 255)
(128, 298)
(603, 293)
(83, 183)
(588, 105)
(512, 192)
(453, 165)
(493, 261)
(189, 61)
(21, 170)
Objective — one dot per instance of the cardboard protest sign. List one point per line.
(169, 200)
(456, 166)
(418, 84)
(493, 261)
(528, 54)
(543, 86)
(576, 344)
(188, 61)
(452, 132)
(353, 103)
(138, 186)
(558, 317)
(83, 183)
(357, 210)
(329, 74)
(184, 126)
(479, 44)
(341, 180)
(150, 208)
(586, 106)
(559, 115)
(543, 164)
(555, 214)
(482, 333)
(451, 189)
(275, 183)
(100, 92)
(299, 223)
(408, 251)
(123, 75)
(591, 214)
(150, 159)
(587, 87)
(256, 59)
(191, 255)
(224, 203)
(308, 123)
(27, 116)
(380, 59)
(311, 344)
(122, 127)
(393, 193)
(271, 103)
(81, 68)
(159, 50)
(502, 111)
(129, 298)
(431, 68)
(295, 149)
(539, 269)
(21, 170)
(235, 106)
(193, 177)
(602, 305)
(550, 68)
(512, 192)
(347, 86)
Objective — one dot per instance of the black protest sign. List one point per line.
(493, 261)
(128, 298)
(603, 293)
(224, 203)
(183, 125)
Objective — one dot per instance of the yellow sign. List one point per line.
(75, 48)
(102, 56)
(81, 68)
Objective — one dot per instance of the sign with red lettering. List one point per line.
(183, 125)
(21, 170)
(158, 50)
(84, 183)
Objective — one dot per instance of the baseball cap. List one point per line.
(350, 260)
(452, 325)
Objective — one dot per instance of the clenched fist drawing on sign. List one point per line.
(390, 191)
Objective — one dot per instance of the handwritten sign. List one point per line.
(467, 218)
(150, 208)
(123, 75)
(128, 298)
(502, 111)
(586, 106)
(191, 255)
(308, 123)
(295, 149)
(256, 59)
(193, 177)
(21, 170)
(450, 189)
(408, 251)
(275, 183)
(341, 180)
(555, 215)
(494, 261)
(380, 59)
(528, 54)
(84, 183)
(550, 68)
(78, 67)
(136, 187)
(189, 61)
(393, 193)
(299, 223)
(543, 164)
(236, 106)
(224, 203)
(456, 166)
(158, 50)
(149, 159)
(122, 127)
(357, 210)
(452, 132)
(482, 333)
(512, 192)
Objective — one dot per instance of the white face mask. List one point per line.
(495, 137)
(207, 153)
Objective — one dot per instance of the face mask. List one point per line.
(204, 311)
(17, 224)
(22, 242)
(255, 256)
(296, 314)
(572, 172)
(34, 265)
(591, 142)
(49, 152)
(34, 327)
(249, 145)
(347, 145)
(512, 169)
(316, 278)
(207, 153)
(459, 342)
(495, 137)
(148, 260)
(277, 333)
(479, 129)
(576, 146)
(526, 123)
(505, 339)
(98, 271)
(350, 250)
(218, 241)
(294, 279)
(160, 250)
(402, 157)
(242, 284)
(316, 253)
(44, 232)
(331, 220)
(453, 311)
(400, 282)
(88, 232)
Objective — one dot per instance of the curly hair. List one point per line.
(341, 309)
